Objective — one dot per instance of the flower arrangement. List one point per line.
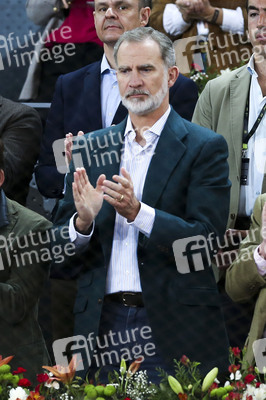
(201, 78)
(59, 383)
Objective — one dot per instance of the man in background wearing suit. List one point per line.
(88, 99)
(234, 105)
(160, 179)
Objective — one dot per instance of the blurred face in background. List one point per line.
(114, 17)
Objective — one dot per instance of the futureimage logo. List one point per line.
(35, 247)
(104, 350)
(196, 51)
(11, 45)
(92, 148)
(196, 253)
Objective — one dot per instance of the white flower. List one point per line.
(257, 393)
(235, 377)
(54, 384)
(18, 393)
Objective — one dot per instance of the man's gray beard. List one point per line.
(143, 107)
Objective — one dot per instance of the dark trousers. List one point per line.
(125, 333)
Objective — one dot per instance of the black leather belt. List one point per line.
(128, 299)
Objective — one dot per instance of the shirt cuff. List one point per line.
(144, 220)
(173, 22)
(260, 262)
(233, 21)
(77, 238)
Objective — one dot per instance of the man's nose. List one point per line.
(110, 13)
(135, 80)
(262, 19)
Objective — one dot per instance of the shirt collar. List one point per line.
(105, 66)
(250, 67)
(155, 128)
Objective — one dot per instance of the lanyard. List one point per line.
(246, 136)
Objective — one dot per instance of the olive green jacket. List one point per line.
(243, 281)
(21, 282)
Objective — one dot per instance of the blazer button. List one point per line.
(100, 301)
(232, 216)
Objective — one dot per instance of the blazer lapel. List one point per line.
(239, 87)
(120, 114)
(168, 153)
(92, 96)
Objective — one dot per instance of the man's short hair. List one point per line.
(145, 3)
(2, 164)
(147, 33)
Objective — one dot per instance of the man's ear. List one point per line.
(145, 13)
(2, 177)
(173, 73)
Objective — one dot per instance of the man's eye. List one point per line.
(102, 9)
(122, 7)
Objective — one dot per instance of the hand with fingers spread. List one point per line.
(69, 146)
(262, 247)
(88, 200)
(195, 9)
(121, 195)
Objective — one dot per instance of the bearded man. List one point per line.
(125, 212)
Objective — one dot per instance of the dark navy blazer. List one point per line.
(187, 185)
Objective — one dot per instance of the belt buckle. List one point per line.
(124, 295)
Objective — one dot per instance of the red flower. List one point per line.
(236, 351)
(258, 384)
(240, 385)
(213, 386)
(249, 378)
(24, 382)
(127, 398)
(233, 396)
(249, 398)
(182, 396)
(233, 368)
(42, 378)
(184, 360)
(20, 370)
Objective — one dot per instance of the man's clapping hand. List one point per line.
(88, 200)
(120, 194)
